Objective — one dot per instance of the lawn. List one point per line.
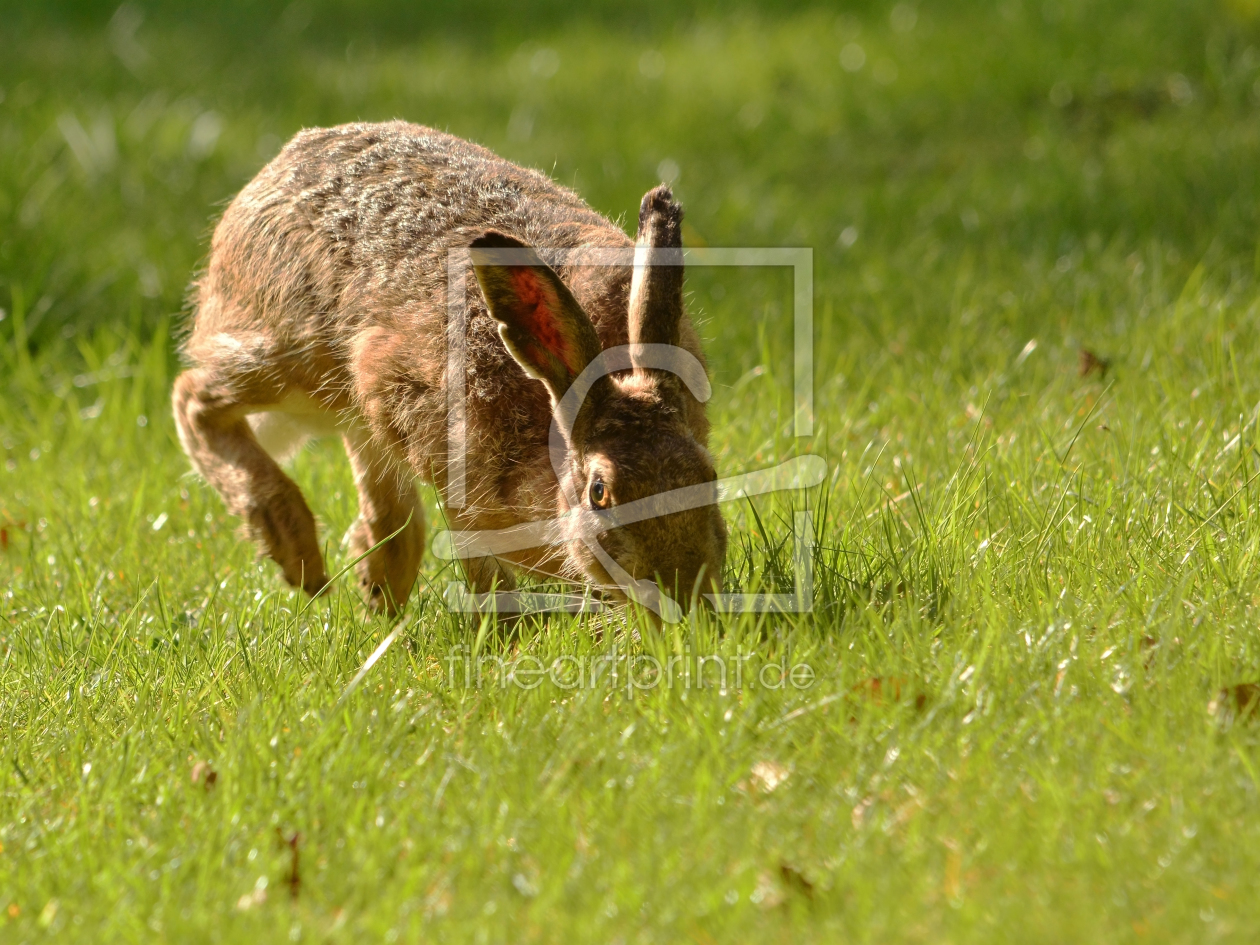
(1033, 648)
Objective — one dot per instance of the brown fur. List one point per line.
(324, 299)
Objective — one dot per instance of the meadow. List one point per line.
(1029, 709)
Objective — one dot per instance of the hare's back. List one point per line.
(386, 194)
(348, 223)
(346, 234)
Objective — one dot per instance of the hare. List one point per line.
(323, 309)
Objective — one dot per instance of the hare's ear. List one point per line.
(540, 321)
(656, 299)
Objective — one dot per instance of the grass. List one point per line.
(1036, 590)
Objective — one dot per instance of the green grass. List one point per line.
(1031, 585)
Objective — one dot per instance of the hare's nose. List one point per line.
(689, 583)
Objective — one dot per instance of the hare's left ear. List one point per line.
(540, 322)
(656, 289)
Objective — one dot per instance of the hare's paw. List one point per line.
(387, 573)
(285, 530)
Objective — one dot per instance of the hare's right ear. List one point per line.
(656, 289)
(541, 323)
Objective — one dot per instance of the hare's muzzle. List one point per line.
(690, 583)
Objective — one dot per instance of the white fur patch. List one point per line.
(284, 429)
(639, 274)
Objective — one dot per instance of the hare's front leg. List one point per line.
(387, 503)
(488, 573)
(210, 413)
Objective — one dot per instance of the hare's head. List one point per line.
(638, 489)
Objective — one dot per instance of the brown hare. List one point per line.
(324, 309)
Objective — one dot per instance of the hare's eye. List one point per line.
(599, 495)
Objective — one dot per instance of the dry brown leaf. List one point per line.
(294, 879)
(795, 879)
(878, 690)
(768, 775)
(205, 775)
(1241, 700)
(1091, 363)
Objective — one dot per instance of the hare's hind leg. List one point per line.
(211, 409)
(387, 503)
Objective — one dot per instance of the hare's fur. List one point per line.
(323, 308)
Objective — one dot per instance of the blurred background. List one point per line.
(887, 136)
